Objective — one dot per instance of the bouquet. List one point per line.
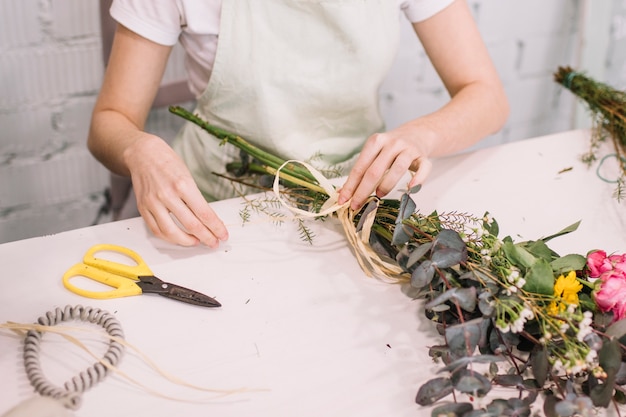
(510, 314)
(608, 110)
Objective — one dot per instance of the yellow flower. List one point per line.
(566, 291)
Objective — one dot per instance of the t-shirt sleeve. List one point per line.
(418, 10)
(158, 21)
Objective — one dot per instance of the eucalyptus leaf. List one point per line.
(602, 394)
(466, 360)
(565, 408)
(486, 304)
(415, 189)
(449, 239)
(407, 208)
(463, 337)
(418, 253)
(620, 375)
(540, 278)
(447, 257)
(401, 234)
(617, 329)
(610, 356)
(549, 405)
(567, 263)
(452, 410)
(471, 382)
(610, 359)
(508, 380)
(372, 206)
(423, 274)
(540, 365)
(434, 390)
(466, 297)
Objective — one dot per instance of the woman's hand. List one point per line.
(167, 197)
(385, 159)
(478, 107)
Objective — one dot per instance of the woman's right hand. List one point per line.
(167, 196)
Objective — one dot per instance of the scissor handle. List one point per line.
(123, 287)
(130, 271)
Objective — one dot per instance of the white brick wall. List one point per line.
(51, 69)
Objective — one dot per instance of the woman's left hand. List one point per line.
(385, 159)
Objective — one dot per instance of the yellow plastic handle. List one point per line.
(130, 271)
(123, 287)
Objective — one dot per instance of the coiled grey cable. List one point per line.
(70, 394)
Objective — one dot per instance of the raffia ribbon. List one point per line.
(371, 263)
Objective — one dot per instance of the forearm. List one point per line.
(477, 110)
(114, 140)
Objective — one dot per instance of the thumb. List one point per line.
(425, 166)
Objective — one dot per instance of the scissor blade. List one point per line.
(190, 296)
(153, 285)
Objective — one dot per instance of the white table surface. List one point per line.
(301, 323)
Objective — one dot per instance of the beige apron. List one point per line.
(298, 78)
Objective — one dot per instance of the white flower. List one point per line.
(520, 283)
(527, 313)
(513, 276)
(487, 218)
(484, 252)
(503, 327)
(591, 356)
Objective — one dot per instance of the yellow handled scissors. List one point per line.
(127, 280)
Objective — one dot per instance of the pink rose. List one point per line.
(598, 263)
(611, 294)
(619, 262)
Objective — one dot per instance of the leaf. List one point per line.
(517, 255)
(567, 263)
(610, 359)
(549, 405)
(617, 329)
(492, 227)
(423, 274)
(540, 365)
(610, 356)
(447, 257)
(449, 239)
(371, 206)
(434, 390)
(569, 229)
(471, 382)
(486, 304)
(508, 380)
(407, 208)
(540, 250)
(466, 297)
(415, 189)
(565, 408)
(540, 278)
(418, 253)
(464, 337)
(401, 234)
(452, 409)
(466, 360)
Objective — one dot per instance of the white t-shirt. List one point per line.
(195, 23)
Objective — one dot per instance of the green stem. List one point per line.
(235, 140)
(264, 169)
